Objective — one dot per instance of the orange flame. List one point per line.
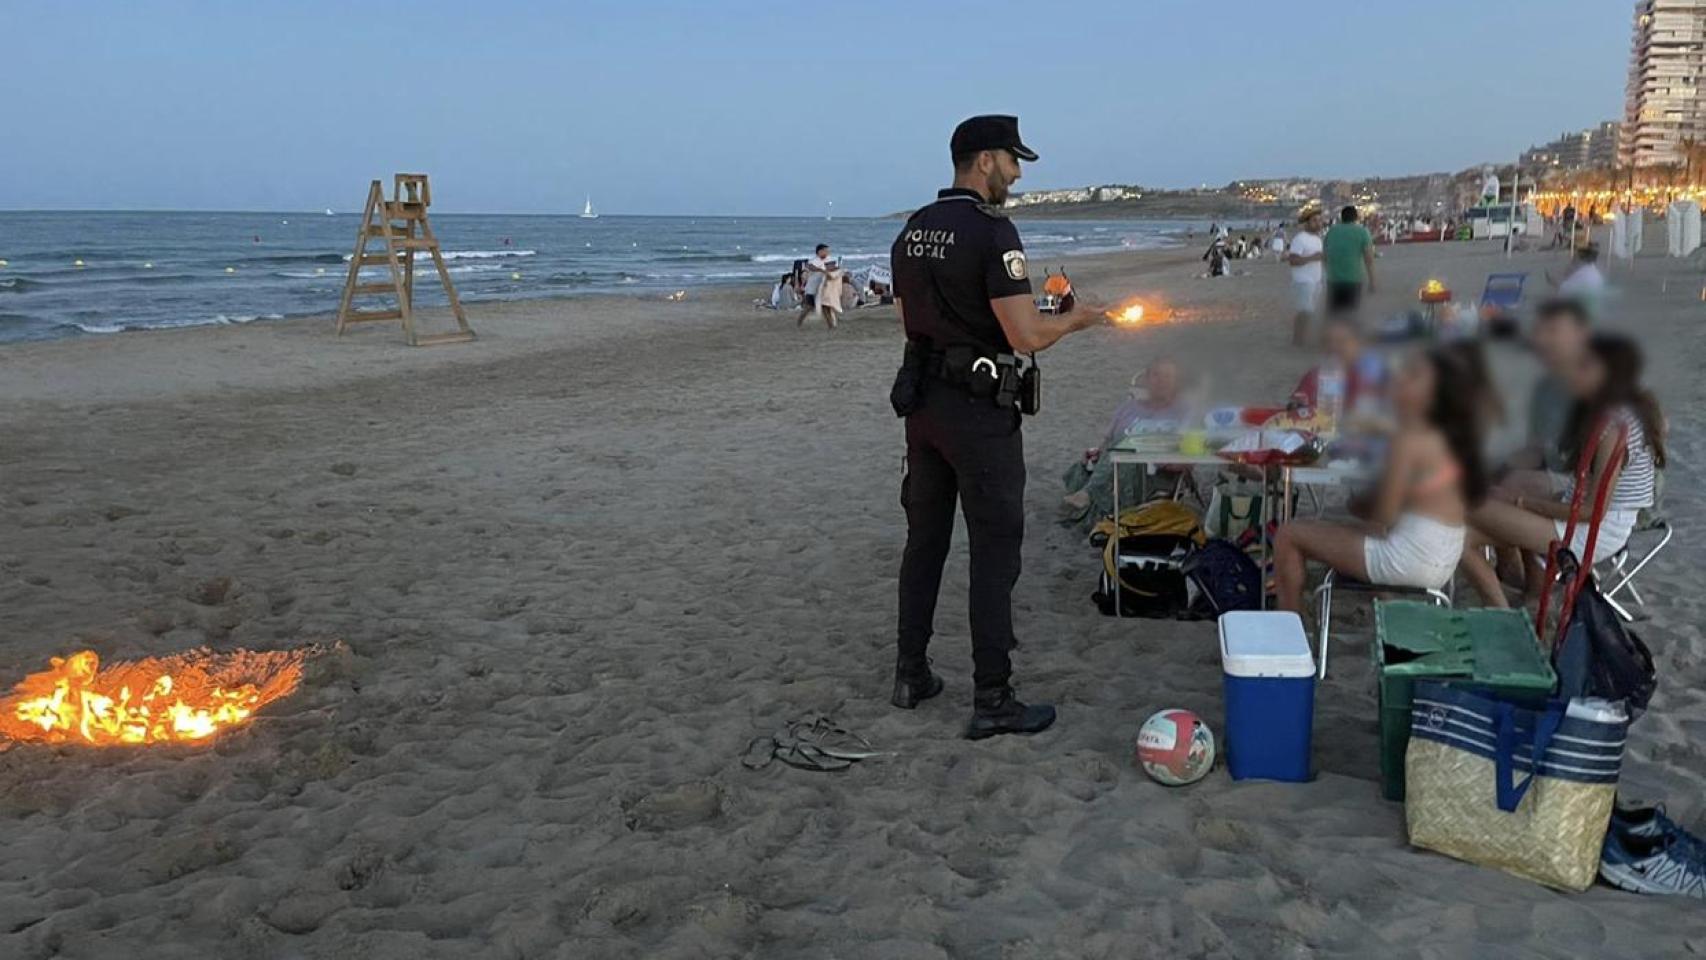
(186, 697)
(1129, 315)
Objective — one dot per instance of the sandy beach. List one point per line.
(567, 572)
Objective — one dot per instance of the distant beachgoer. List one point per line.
(1305, 259)
(1349, 254)
(1584, 283)
(1216, 255)
(783, 295)
(816, 269)
(829, 295)
(1419, 513)
(1276, 242)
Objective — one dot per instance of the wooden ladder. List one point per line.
(401, 224)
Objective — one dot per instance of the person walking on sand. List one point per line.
(964, 293)
(829, 294)
(817, 268)
(1349, 254)
(1304, 255)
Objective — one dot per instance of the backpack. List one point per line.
(1151, 576)
(1223, 578)
(1154, 517)
(1146, 550)
(1594, 654)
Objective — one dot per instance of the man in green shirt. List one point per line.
(1349, 253)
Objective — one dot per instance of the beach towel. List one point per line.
(829, 293)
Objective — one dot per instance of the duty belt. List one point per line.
(993, 376)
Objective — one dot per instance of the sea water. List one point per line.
(82, 273)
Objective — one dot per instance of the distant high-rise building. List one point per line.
(1601, 143)
(1594, 147)
(1664, 104)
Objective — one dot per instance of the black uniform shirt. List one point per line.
(950, 260)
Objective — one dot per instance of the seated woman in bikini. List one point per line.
(1530, 509)
(1433, 474)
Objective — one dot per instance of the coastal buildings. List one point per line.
(1581, 150)
(1101, 194)
(1664, 110)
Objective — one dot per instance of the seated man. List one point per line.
(1154, 405)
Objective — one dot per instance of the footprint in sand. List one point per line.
(674, 808)
(209, 593)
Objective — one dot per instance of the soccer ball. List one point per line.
(1175, 747)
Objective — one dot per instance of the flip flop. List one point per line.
(834, 740)
(814, 743)
(761, 751)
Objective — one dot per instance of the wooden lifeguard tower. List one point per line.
(401, 225)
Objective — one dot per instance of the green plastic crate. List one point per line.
(1492, 649)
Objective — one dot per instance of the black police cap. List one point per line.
(990, 132)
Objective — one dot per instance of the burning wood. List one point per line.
(184, 697)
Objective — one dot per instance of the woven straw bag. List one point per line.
(1527, 791)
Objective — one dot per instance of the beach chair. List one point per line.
(1503, 291)
(1620, 569)
(1333, 582)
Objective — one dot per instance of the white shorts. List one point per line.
(1614, 532)
(1416, 552)
(1305, 294)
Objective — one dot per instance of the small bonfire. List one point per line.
(184, 697)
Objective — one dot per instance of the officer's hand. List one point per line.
(1087, 312)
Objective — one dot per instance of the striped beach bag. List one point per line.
(1527, 791)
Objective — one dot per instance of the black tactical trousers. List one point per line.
(960, 447)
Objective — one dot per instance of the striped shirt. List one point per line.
(1636, 484)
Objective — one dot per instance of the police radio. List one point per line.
(1031, 389)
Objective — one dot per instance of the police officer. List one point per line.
(964, 292)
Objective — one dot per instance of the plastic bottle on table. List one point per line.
(1330, 394)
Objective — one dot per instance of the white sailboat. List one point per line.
(329, 212)
(587, 213)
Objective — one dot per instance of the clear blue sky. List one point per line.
(723, 106)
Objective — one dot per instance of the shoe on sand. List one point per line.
(997, 711)
(914, 683)
(1647, 822)
(1671, 864)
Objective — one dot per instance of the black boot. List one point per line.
(914, 683)
(996, 711)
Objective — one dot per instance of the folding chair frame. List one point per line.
(1623, 575)
(1324, 604)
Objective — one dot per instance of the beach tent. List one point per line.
(1682, 222)
(1626, 233)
